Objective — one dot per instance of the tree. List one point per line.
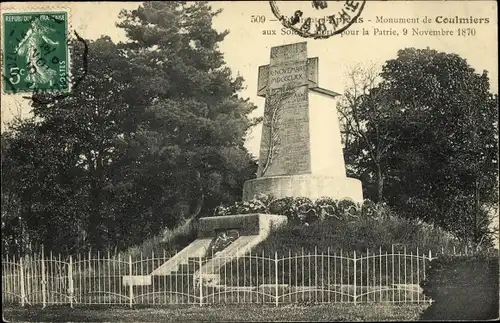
(64, 154)
(152, 135)
(197, 120)
(441, 122)
(366, 111)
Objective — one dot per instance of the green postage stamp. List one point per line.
(35, 52)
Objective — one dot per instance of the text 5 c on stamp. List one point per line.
(36, 52)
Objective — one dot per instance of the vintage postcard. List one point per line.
(249, 161)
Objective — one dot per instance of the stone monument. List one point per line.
(300, 152)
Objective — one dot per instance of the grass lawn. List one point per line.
(228, 313)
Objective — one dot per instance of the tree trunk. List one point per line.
(477, 229)
(95, 218)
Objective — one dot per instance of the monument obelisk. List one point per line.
(300, 152)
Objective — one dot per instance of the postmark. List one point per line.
(35, 52)
(317, 19)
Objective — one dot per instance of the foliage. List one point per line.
(153, 135)
(347, 233)
(167, 243)
(462, 287)
(424, 139)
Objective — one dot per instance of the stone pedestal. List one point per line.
(311, 186)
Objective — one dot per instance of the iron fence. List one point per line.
(317, 277)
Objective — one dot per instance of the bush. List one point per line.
(346, 233)
(462, 287)
(299, 210)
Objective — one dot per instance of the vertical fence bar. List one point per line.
(283, 273)
(21, 277)
(237, 278)
(316, 274)
(405, 274)
(98, 272)
(392, 287)
(110, 277)
(380, 273)
(335, 275)
(90, 276)
(399, 276)
(244, 279)
(250, 282)
(309, 274)
(374, 256)
(276, 274)
(411, 273)
(361, 271)
(322, 277)
(258, 275)
(367, 272)
(120, 291)
(328, 279)
(303, 278)
(296, 275)
(60, 265)
(430, 259)
(70, 281)
(139, 272)
(348, 274)
(354, 261)
(44, 283)
(36, 275)
(130, 291)
(341, 277)
(49, 277)
(290, 275)
(200, 282)
(263, 274)
(79, 272)
(418, 275)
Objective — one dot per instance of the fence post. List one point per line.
(354, 259)
(21, 276)
(44, 283)
(430, 259)
(276, 274)
(130, 291)
(70, 281)
(200, 282)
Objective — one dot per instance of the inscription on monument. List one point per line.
(312, 76)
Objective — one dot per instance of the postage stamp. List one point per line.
(317, 19)
(35, 52)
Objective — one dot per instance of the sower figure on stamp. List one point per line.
(37, 71)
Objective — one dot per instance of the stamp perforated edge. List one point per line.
(36, 9)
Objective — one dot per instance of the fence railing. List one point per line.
(318, 277)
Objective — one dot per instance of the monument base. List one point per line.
(308, 185)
